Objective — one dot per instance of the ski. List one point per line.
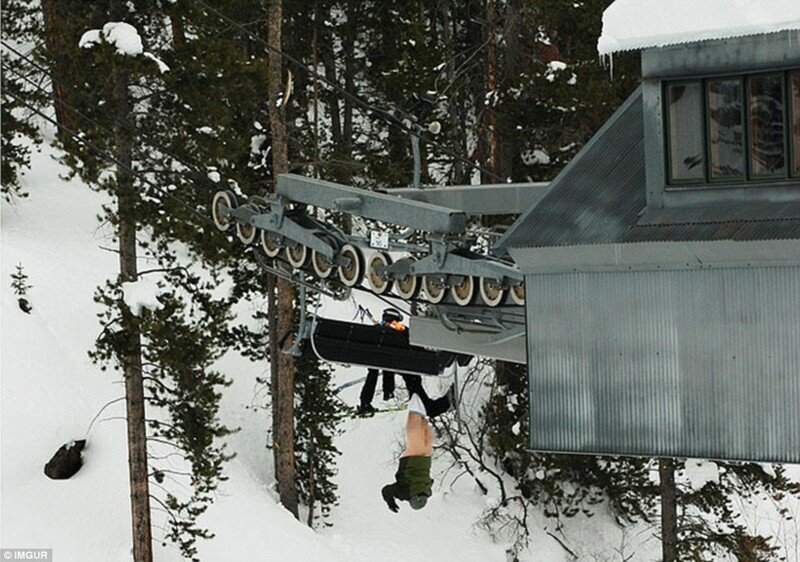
(348, 384)
(401, 408)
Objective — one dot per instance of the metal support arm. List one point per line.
(371, 204)
(276, 220)
(442, 261)
(492, 199)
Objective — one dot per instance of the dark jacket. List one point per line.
(413, 478)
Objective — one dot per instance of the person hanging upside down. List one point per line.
(413, 482)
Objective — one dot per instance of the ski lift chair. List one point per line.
(376, 347)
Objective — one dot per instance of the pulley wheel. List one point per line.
(379, 284)
(408, 287)
(322, 265)
(465, 292)
(246, 232)
(492, 292)
(297, 255)
(351, 275)
(269, 244)
(517, 293)
(434, 290)
(222, 199)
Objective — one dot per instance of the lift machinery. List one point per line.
(423, 245)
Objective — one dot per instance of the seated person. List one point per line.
(391, 320)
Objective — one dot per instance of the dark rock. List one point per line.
(24, 305)
(66, 462)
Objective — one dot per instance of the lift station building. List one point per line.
(662, 268)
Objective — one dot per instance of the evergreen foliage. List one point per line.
(710, 520)
(20, 286)
(183, 337)
(19, 130)
(317, 417)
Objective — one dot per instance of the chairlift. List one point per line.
(375, 347)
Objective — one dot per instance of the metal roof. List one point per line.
(600, 197)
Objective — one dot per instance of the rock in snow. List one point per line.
(66, 462)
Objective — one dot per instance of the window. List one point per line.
(767, 157)
(733, 130)
(726, 130)
(686, 131)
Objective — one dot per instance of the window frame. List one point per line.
(786, 126)
(740, 178)
(668, 136)
(746, 179)
(792, 166)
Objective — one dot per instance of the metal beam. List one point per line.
(491, 199)
(454, 264)
(430, 332)
(647, 256)
(371, 205)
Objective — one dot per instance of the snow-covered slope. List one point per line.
(51, 391)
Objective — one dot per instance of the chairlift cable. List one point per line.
(380, 113)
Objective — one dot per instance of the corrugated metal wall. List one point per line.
(693, 363)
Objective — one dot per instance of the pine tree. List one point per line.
(317, 415)
(710, 520)
(107, 93)
(19, 132)
(20, 286)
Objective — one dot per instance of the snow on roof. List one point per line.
(638, 24)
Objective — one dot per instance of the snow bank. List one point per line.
(638, 24)
(699, 473)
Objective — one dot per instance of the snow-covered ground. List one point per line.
(51, 391)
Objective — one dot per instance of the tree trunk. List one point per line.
(491, 87)
(507, 134)
(282, 365)
(312, 496)
(459, 174)
(53, 17)
(315, 63)
(132, 360)
(669, 510)
(177, 27)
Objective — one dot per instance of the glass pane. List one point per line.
(795, 88)
(726, 133)
(685, 111)
(765, 96)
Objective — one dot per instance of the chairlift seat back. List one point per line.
(376, 347)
